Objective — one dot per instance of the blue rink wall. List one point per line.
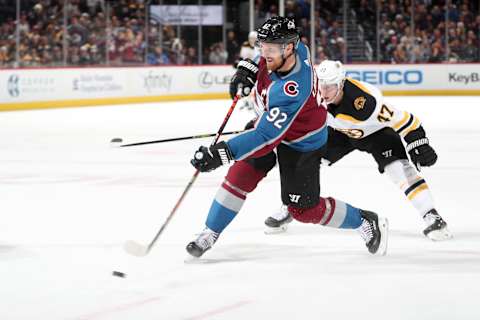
(22, 89)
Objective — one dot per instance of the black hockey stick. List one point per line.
(139, 250)
(207, 135)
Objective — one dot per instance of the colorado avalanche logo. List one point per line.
(291, 88)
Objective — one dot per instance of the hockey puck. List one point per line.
(116, 140)
(119, 274)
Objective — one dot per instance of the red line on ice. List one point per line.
(118, 308)
(219, 310)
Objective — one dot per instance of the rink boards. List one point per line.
(66, 87)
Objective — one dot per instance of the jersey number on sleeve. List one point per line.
(385, 114)
(277, 117)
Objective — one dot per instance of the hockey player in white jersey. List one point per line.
(248, 49)
(360, 119)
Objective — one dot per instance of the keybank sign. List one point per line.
(388, 77)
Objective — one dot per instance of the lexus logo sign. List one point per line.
(13, 85)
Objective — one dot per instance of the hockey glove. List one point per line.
(244, 79)
(208, 159)
(419, 149)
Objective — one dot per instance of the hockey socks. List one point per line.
(414, 186)
(329, 212)
(227, 203)
(242, 178)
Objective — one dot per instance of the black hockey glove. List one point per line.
(208, 159)
(419, 149)
(244, 78)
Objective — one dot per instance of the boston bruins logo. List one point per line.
(352, 133)
(359, 103)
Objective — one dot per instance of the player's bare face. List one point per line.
(329, 92)
(272, 52)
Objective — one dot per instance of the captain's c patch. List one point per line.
(291, 88)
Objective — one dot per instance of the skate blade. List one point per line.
(277, 230)
(382, 248)
(440, 235)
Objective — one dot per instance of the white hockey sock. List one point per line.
(415, 188)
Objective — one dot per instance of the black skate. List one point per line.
(278, 222)
(204, 242)
(437, 228)
(374, 231)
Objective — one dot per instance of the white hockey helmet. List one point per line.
(330, 72)
(331, 75)
(252, 37)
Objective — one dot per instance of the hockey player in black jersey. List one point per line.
(359, 119)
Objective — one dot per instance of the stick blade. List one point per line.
(135, 248)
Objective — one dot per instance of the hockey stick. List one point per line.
(207, 135)
(139, 250)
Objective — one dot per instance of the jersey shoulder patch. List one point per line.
(357, 102)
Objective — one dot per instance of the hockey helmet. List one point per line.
(252, 37)
(279, 30)
(331, 75)
(330, 72)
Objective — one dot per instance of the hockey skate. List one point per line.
(278, 222)
(204, 242)
(436, 227)
(374, 231)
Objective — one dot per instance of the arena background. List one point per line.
(95, 52)
(69, 199)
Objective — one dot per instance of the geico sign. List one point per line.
(390, 77)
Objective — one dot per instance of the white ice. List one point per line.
(68, 201)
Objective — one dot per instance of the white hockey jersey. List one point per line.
(363, 111)
(249, 52)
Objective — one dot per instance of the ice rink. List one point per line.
(68, 201)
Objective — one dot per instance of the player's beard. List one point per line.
(274, 63)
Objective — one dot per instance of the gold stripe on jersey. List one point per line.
(358, 84)
(417, 190)
(400, 123)
(414, 126)
(348, 118)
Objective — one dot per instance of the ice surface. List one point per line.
(68, 202)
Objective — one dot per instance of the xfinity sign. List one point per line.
(388, 77)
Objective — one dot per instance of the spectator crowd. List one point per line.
(101, 32)
(426, 30)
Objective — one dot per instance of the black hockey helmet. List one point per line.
(279, 30)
